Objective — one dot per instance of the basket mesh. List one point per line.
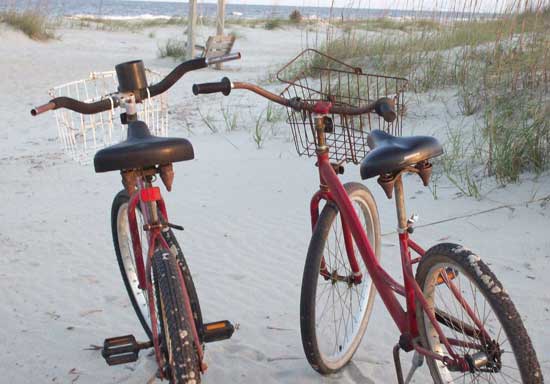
(313, 76)
(83, 135)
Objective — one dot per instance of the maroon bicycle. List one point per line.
(457, 315)
(153, 267)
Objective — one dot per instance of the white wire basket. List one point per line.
(83, 135)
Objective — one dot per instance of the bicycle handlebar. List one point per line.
(151, 91)
(77, 106)
(384, 107)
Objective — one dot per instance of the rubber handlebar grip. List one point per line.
(385, 108)
(223, 86)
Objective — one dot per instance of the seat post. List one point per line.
(400, 204)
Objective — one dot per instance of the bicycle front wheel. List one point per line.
(178, 343)
(335, 310)
(124, 250)
(506, 355)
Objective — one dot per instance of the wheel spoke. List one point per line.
(459, 326)
(342, 304)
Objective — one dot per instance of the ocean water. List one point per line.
(157, 9)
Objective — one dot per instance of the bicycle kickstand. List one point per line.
(417, 361)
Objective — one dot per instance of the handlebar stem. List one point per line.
(319, 120)
(129, 104)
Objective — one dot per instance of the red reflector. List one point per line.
(150, 194)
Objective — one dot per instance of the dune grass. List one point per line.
(273, 24)
(133, 25)
(384, 23)
(270, 23)
(174, 48)
(33, 23)
(500, 68)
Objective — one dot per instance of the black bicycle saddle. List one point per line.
(141, 149)
(390, 154)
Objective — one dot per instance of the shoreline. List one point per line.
(129, 10)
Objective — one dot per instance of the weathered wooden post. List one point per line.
(191, 26)
(220, 22)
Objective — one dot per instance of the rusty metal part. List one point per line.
(309, 106)
(167, 175)
(320, 131)
(424, 171)
(262, 92)
(387, 181)
(400, 204)
(130, 177)
(312, 77)
(129, 181)
(152, 227)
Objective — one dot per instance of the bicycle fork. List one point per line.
(150, 199)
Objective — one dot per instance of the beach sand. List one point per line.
(246, 218)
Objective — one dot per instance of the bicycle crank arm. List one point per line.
(161, 226)
(175, 226)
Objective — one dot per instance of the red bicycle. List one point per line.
(457, 315)
(153, 267)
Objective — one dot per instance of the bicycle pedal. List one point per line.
(122, 349)
(219, 330)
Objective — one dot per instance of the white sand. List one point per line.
(245, 213)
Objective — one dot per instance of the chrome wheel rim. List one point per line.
(342, 309)
(128, 258)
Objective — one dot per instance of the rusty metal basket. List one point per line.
(313, 76)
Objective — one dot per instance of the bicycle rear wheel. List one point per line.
(178, 343)
(508, 357)
(124, 251)
(334, 311)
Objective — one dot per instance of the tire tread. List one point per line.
(498, 298)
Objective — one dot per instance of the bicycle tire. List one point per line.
(124, 254)
(178, 344)
(310, 325)
(466, 265)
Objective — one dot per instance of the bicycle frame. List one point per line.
(332, 190)
(151, 202)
